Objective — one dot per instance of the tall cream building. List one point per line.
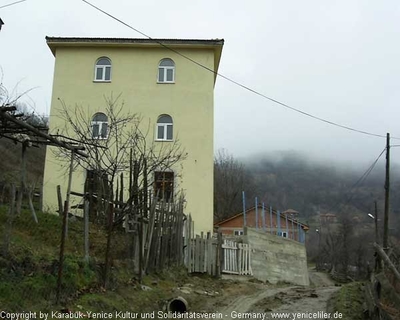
(174, 95)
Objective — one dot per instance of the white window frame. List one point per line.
(165, 126)
(100, 124)
(166, 68)
(238, 232)
(103, 70)
(284, 234)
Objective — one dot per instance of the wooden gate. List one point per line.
(236, 258)
(212, 255)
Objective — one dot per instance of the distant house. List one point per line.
(327, 218)
(267, 219)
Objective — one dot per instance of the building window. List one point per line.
(99, 126)
(164, 185)
(164, 128)
(103, 69)
(238, 232)
(166, 71)
(284, 234)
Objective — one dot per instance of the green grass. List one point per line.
(349, 301)
(28, 274)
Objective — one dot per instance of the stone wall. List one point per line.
(276, 259)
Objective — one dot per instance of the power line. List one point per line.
(11, 4)
(238, 83)
(360, 181)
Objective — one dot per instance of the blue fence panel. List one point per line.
(271, 220)
(287, 227)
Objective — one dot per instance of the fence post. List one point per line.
(287, 227)
(10, 220)
(271, 220)
(263, 217)
(189, 243)
(62, 246)
(22, 188)
(86, 228)
(209, 256)
(60, 203)
(110, 230)
(219, 255)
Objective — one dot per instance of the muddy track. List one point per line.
(294, 299)
(246, 303)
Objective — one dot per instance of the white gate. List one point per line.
(236, 258)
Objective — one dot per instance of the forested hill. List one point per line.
(291, 180)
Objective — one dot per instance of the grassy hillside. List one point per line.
(28, 273)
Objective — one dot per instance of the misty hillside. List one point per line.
(291, 180)
(311, 187)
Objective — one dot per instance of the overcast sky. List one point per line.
(338, 60)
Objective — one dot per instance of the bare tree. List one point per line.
(114, 147)
(230, 179)
(119, 144)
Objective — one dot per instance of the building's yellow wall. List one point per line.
(189, 101)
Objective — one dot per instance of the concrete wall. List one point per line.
(276, 259)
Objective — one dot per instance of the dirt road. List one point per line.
(264, 301)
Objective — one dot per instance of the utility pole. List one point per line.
(387, 188)
(376, 223)
(378, 266)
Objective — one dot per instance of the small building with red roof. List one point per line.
(283, 224)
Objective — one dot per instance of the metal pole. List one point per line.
(263, 216)
(387, 189)
(376, 223)
(244, 209)
(279, 222)
(270, 218)
(287, 226)
(377, 257)
(319, 250)
(256, 213)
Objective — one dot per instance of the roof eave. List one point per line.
(54, 42)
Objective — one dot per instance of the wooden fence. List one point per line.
(237, 258)
(206, 253)
(162, 234)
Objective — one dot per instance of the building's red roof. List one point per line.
(304, 226)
